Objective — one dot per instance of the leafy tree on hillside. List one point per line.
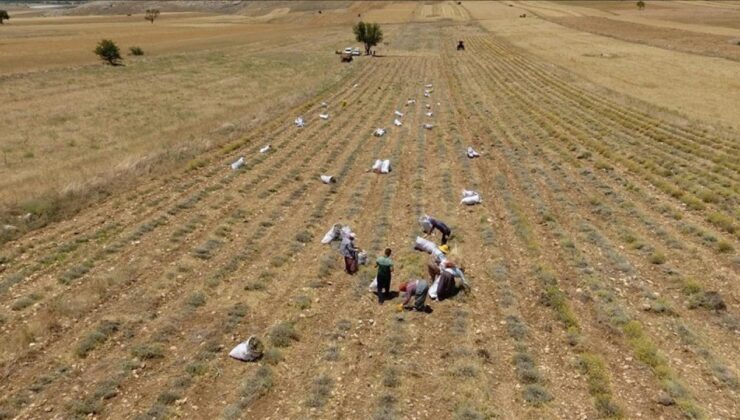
(108, 50)
(640, 4)
(151, 14)
(369, 34)
(3, 15)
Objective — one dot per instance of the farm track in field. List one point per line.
(602, 234)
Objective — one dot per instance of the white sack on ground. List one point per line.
(362, 258)
(399, 113)
(328, 179)
(426, 95)
(265, 149)
(377, 165)
(472, 153)
(469, 193)
(238, 163)
(471, 200)
(324, 116)
(411, 102)
(429, 114)
(428, 106)
(299, 122)
(397, 123)
(428, 126)
(385, 167)
(428, 86)
(379, 132)
(355, 85)
(248, 351)
(324, 105)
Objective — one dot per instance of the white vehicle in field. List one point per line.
(348, 50)
(356, 51)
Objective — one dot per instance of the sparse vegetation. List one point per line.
(151, 15)
(136, 51)
(108, 51)
(283, 334)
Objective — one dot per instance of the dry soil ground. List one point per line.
(603, 260)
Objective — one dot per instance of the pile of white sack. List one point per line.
(299, 122)
(472, 153)
(470, 198)
(238, 163)
(397, 122)
(382, 166)
(379, 132)
(324, 116)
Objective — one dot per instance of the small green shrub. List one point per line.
(283, 334)
(657, 257)
(536, 395)
(148, 351)
(136, 51)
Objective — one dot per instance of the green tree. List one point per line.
(108, 50)
(640, 4)
(151, 14)
(3, 15)
(369, 34)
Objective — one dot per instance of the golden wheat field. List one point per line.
(602, 260)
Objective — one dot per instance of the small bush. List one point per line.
(302, 302)
(196, 299)
(466, 412)
(657, 258)
(332, 354)
(148, 351)
(320, 391)
(304, 237)
(273, 356)
(536, 395)
(724, 247)
(108, 51)
(136, 51)
(707, 300)
(283, 334)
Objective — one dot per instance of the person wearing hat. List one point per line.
(417, 288)
(349, 252)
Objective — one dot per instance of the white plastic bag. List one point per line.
(399, 113)
(426, 94)
(377, 165)
(248, 351)
(428, 106)
(429, 114)
(324, 116)
(472, 153)
(299, 122)
(373, 288)
(328, 179)
(397, 123)
(428, 86)
(265, 149)
(411, 102)
(425, 245)
(362, 258)
(428, 126)
(324, 105)
(238, 163)
(379, 132)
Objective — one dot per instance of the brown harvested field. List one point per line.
(603, 259)
(669, 38)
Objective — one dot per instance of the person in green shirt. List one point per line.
(385, 268)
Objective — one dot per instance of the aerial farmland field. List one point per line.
(602, 260)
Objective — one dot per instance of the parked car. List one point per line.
(348, 50)
(356, 51)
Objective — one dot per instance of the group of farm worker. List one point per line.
(442, 271)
